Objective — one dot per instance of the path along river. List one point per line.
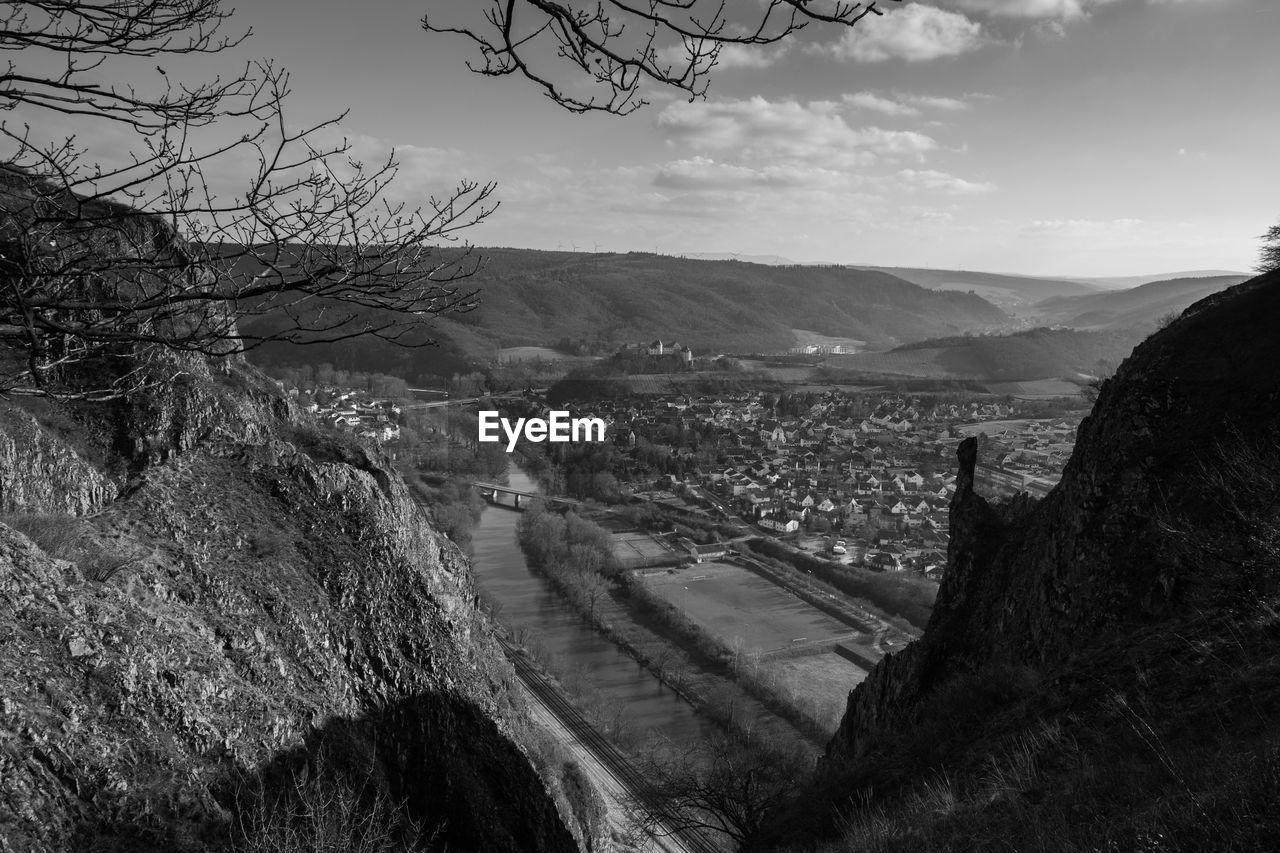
(528, 602)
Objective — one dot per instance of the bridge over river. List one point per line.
(493, 493)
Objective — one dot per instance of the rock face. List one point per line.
(40, 474)
(283, 604)
(1167, 508)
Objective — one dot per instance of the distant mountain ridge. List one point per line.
(1013, 293)
(1098, 636)
(1019, 357)
(1101, 329)
(533, 298)
(1125, 282)
(1135, 307)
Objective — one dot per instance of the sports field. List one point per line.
(744, 609)
(639, 549)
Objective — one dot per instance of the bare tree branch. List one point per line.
(143, 256)
(1269, 254)
(622, 44)
(724, 785)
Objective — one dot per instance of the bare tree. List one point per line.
(723, 784)
(113, 263)
(621, 44)
(1269, 254)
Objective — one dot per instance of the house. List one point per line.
(701, 553)
(662, 348)
(779, 526)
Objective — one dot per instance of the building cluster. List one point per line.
(825, 349)
(352, 411)
(1025, 457)
(658, 349)
(875, 476)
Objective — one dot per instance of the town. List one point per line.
(863, 477)
(866, 478)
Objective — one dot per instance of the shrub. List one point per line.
(56, 535)
(62, 537)
(314, 811)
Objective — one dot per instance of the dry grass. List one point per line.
(65, 537)
(314, 811)
(998, 763)
(56, 535)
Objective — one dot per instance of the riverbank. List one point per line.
(574, 556)
(525, 604)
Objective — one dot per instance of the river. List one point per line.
(526, 601)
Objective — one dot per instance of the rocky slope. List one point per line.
(1133, 612)
(216, 604)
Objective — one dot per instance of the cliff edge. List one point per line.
(207, 605)
(1127, 622)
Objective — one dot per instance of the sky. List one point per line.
(1045, 137)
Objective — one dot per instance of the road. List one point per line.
(620, 777)
(459, 401)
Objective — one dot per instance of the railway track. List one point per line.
(605, 752)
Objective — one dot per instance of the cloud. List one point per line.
(937, 103)
(1059, 10)
(1077, 229)
(730, 56)
(875, 103)
(915, 33)
(931, 179)
(742, 56)
(780, 132)
(900, 104)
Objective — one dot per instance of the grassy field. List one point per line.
(997, 427)
(806, 338)
(823, 680)
(545, 353)
(1038, 389)
(779, 373)
(920, 363)
(742, 608)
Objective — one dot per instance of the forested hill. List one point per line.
(1023, 356)
(535, 297)
(538, 298)
(1015, 293)
(1136, 307)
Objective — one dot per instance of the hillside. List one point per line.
(1138, 307)
(530, 298)
(1019, 357)
(1125, 282)
(212, 613)
(1100, 669)
(1013, 293)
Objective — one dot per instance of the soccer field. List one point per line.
(744, 608)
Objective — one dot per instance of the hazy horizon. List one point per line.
(1104, 138)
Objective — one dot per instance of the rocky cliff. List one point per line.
(215, 607)
(1150, 571)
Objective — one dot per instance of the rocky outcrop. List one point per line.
(1166, 510)
(40, 473)
(285, 602)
